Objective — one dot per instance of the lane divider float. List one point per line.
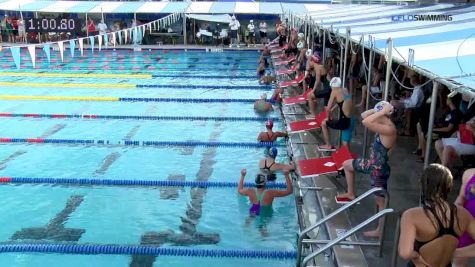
(79, 75)
(145, 250)
(129, 117)
(140, 143)
(129, 182)
(127, 99)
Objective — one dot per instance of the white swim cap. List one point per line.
(380, 105)
(335, 82)
(251, 21)
(301, 35)
(309, 53)
(233, 17)
(300, 45)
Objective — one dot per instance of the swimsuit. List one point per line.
(377, 165)
(466, 240)
(266, 171)
(258, 208)
(343, 122)
(325, 92)
(442, 230)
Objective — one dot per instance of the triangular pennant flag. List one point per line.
(32, 50)
(106, 40)
(91, 40)
(47, 49)
(120, 37)
(136, 35)
(61, 50)
(125, 36)
(16, 55)
(81, 46)
(99, 38)
(113, 39)
(72, 47)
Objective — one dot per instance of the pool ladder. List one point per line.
(341, 240)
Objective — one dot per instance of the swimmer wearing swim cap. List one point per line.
(262, 105)
(269, 135)
(260, 197)
(269, 166)
(316, 80)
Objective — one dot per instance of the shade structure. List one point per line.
(442, 37)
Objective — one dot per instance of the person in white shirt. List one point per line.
(102, 27)
(263, 32)
(21, 31)
(410, 103)
(234, 26)
(252, 33)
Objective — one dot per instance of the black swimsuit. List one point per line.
(266, 170)
(343, 122)
(442, 231)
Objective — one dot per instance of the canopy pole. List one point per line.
(184, 31)
(306, 25)
(389, 61)
(341, 59)
(87, 32)
(346, 56)
(368, 84)
(323, 51)
(102, 14)
(433, 106)
(21, 13)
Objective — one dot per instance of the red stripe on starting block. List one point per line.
(35, 140)
(5, 179)
(5, 114)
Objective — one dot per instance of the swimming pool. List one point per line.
(194, 219)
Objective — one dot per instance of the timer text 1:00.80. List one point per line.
(51, 25)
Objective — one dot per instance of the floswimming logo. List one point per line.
(427, 17)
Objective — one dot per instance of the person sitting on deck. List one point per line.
(269, 167)
(269, 135)
(262, 105)
(466, 199)
(260, 197)
(430, 234)
(341, 97)
(376, 120)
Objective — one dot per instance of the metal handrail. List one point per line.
(336, 212)
(346, 235)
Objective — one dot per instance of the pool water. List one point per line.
(68, 214)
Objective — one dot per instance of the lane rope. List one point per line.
(131, 117)
(140, 143)
(146, 250)
(80, 75)
(126, 99)
(130, 182)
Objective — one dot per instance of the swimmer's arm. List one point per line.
(330, 101)
(461, 197)
(317, 78)
(407, 237)
(259, 137)
(287, 191)
(281, 134)
(241, 189)
(373, 125)
(448, 128)
(367, 113)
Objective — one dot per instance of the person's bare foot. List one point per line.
(374, 233)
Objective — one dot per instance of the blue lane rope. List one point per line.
(189, 86)
(142, 143)
(147, 250)
(130, 182)
(132, 117)
(206, 76)
(187, 100)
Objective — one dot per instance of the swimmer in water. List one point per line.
(262, 105)
(269, 167)
(269, 135)
(260, 197)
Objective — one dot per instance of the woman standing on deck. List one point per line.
(429, 234)
(377, 120)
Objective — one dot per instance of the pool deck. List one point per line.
(403, 191)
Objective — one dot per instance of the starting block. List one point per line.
(325, 165)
